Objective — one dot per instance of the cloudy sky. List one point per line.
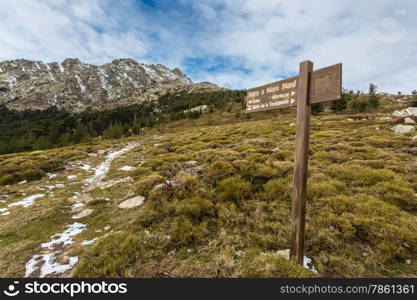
(233, 43)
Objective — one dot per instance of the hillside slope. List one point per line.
(211, 198)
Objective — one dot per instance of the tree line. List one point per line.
(357, 102)
(30, 130)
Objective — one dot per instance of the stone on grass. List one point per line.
(191, 163)
(133, 202)
(408, 120)
(410, 111)
(402, 128)
(86, 212)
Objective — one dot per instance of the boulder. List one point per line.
(133, 202)
(402, 128)
(408, 120)
(407, 112)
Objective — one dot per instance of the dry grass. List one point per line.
(218, 193)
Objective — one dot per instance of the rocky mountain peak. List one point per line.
(76, 86)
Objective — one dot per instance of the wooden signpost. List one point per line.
(303, 90)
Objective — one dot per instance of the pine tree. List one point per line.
(41, 143)
(414, 101)
(317, 108)
(373, 99)
(341, 104)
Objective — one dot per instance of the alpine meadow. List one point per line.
(196, 139)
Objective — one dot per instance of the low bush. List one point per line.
(186, 234)
(233, 189)
(146, 183)
(218, 171)
(358, 175)
(196, 208)
(116, 255)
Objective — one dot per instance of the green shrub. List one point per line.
(8, 179)
(396, 193)
(278, 189)
(358, 104)
(358, 175)
(146, 183)
(346, 223)
(186, 185)
(154, 164)
(116, 255)
(195, 208)
(28, 175)
(186, 234)
(233, 189)
(219, 170)
(138, 172)
(320, 189)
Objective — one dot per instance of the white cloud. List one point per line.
(54, 30)
(234, 43)
(273, 37)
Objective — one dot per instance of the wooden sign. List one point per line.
(275, 95)
(303, 90)
(325, 85)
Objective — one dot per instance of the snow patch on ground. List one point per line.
(88, 242)
(85, 167)
(11, 80)
(51, 176)
(78, 205)
(152, 73)
(82, 87)
(28, 201)
(307, 262)
(65, 238)
(45, 264)
(48, 266)
(4, 212)
(72, 176)
(110, 183)
(126, 168)
(103, 168)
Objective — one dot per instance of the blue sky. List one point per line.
(233, 43)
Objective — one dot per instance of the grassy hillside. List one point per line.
(217, 200)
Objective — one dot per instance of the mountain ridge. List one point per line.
(75, 86)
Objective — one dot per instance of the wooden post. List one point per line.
(301, 163)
